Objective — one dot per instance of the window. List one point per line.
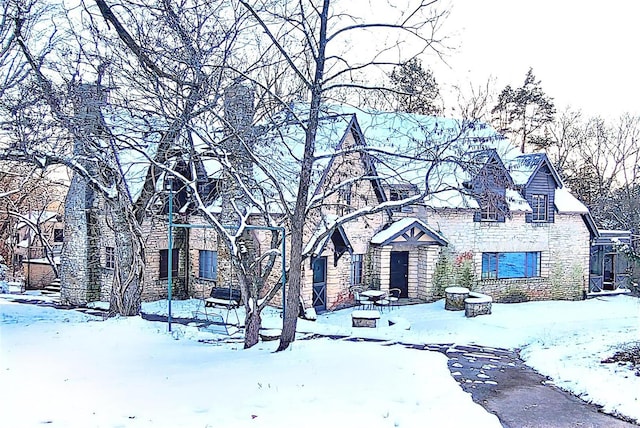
(489, 213)
(208, 264)
(164, 263)
(320, 270)
(58, 235)
(510, 265)
(539, 206)
(399, 192)
(110, 258)
(344, 199)
(356, 269)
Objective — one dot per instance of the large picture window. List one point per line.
(510, 265)
(539, 207)
(356, 269)
(164, 263)
(208, 264)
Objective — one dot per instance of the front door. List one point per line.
(608, 271)
(400, 272)
(320, 284)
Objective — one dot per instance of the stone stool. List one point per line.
(455, 298)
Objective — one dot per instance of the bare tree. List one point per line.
(27, 193)
(161, 69)
(309, 37)
(598, 160)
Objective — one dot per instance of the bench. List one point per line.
(227, 298)
(477, 304)
(364, 318)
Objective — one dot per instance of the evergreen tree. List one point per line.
(524, 112)
(415, 88)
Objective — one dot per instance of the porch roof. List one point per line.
(414, 231)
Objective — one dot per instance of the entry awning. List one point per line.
(409, 231)
(339, 240)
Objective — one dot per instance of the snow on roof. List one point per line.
(315, 245)
(281, 149)
(450, 199)
(400, 226)
(404, 147)
(422, 141)
(516, 202)
(38, 217)
(565, 202)
(522, 167)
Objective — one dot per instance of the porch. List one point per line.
(610, 269)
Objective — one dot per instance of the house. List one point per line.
(398, 200)
(501, 221)
(39, 236)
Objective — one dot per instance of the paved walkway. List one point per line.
(520, 397)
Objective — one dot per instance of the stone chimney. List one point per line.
(238, 142)
(80, 259)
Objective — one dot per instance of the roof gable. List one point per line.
(410, 231)
(524, 168)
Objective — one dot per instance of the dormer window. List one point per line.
(539, 205)
(489, 213)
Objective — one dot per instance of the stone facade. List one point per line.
(563, 243)
(563, 247)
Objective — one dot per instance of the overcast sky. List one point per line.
(585, 52)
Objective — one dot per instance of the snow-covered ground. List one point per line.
(67, 369)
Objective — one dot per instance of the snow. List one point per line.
(565, 202)
(516, 201)
(67, 369)
(400, 226)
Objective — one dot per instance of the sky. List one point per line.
(128, 372)
(585, 52)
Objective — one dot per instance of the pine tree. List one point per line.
(524, 112)
(416, 89)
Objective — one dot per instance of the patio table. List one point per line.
(374, 295)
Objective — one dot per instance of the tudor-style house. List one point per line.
(505, 217)
(398, 200)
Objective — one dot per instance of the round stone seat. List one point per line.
(477, 304)
(455, 297)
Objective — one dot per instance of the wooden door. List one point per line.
(399, 277)
(319, 297)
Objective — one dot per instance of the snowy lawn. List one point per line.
(67, 369)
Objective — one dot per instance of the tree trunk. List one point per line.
(299, 214)
(126, 289)
(252, 325)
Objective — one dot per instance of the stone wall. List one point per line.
(563, 247)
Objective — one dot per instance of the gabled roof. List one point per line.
(402, 147)
(412, 230)
(38, 217)
(524, 167)
(565, 202)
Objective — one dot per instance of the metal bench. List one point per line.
(227, 298)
